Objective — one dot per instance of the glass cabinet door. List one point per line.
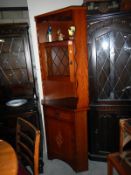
(59, 60)
(110, 58)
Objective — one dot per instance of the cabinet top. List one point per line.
(60, 14)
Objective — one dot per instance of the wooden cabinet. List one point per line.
(64, 63)
(104, 128)
(125, 5)
(16, 75)
(67, 136)
(64, 71)
(66, 132)
(109, 70)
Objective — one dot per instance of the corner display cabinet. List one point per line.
(64, 69)
(109, 43)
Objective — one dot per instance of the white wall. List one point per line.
(13, 3)
(37, 7)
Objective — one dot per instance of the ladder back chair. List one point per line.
(27, 147)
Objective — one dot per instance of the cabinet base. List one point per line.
(97, 157)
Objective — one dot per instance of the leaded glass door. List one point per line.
(110, 60)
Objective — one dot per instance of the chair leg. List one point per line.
(110, 168)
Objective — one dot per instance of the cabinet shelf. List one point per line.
(58, 43)
(59, 78)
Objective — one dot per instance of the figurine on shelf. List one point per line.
(49, 34)
(71, 32)
(60, 35)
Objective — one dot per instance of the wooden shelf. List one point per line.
(59, 78)
(58, 43)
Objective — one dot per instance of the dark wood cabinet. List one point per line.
(15, 62)
(109, 44)
(104, 129)
(64, 72)
(16, 80)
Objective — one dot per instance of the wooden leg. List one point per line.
(110, 168)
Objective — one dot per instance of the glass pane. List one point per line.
(113, 65)
(57, 61)
(13, 66)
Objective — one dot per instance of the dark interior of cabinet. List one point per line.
(109, 43)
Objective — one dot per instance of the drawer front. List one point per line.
(59, 114)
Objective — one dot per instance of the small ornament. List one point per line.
(71, 32)
(49, 34)
(60, 35)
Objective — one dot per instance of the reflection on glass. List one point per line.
(113, 65)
